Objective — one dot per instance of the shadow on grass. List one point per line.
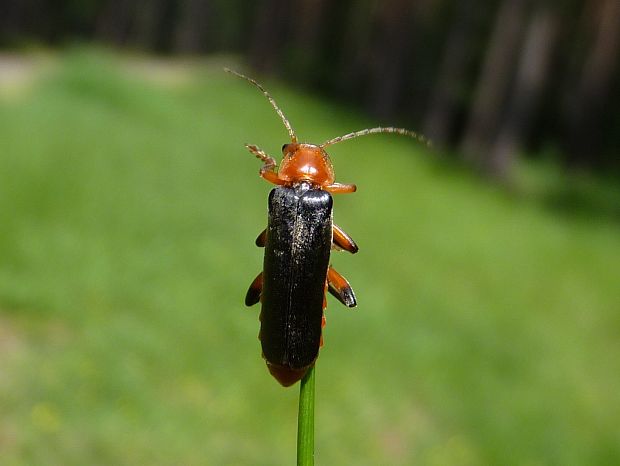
(592, 199)
(584, 196)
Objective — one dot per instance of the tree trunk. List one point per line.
(532, 75)
(390, 57)
(273, 22)
(449, 89)
(587, 103)
(148, 19)
(351, 75)
(494, 80)
(115, 22)
(192, 28)
(306, 60)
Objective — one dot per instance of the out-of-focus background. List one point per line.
(488, 325)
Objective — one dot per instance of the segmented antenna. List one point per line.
(379, 129)
(289, 128)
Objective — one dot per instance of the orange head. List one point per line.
(309, 162)
(306, 162)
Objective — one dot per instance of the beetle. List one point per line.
(298, 240)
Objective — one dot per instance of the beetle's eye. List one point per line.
(284, 146)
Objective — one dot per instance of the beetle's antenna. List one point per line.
(289, 128)
(379, 129)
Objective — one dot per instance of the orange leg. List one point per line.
(268, 170)
(255, 290)
(261, 239)
(323, 319)
(337, 188)
(340, 288)
(344, 241)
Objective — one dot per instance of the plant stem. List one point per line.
(305, 421)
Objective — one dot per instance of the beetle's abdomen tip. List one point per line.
(285, 375)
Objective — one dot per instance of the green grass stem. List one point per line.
(305, 421)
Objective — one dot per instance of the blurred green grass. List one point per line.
(486, 332)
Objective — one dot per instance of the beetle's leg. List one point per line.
(255, 290)
(340, 288)
(344, 241)
(338, 188)
(323, 319)
(261, 239)
(267, 171)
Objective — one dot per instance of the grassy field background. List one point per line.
(488, 325)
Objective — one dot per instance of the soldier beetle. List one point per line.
(298, 240)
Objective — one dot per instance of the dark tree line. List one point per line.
(491, 78)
